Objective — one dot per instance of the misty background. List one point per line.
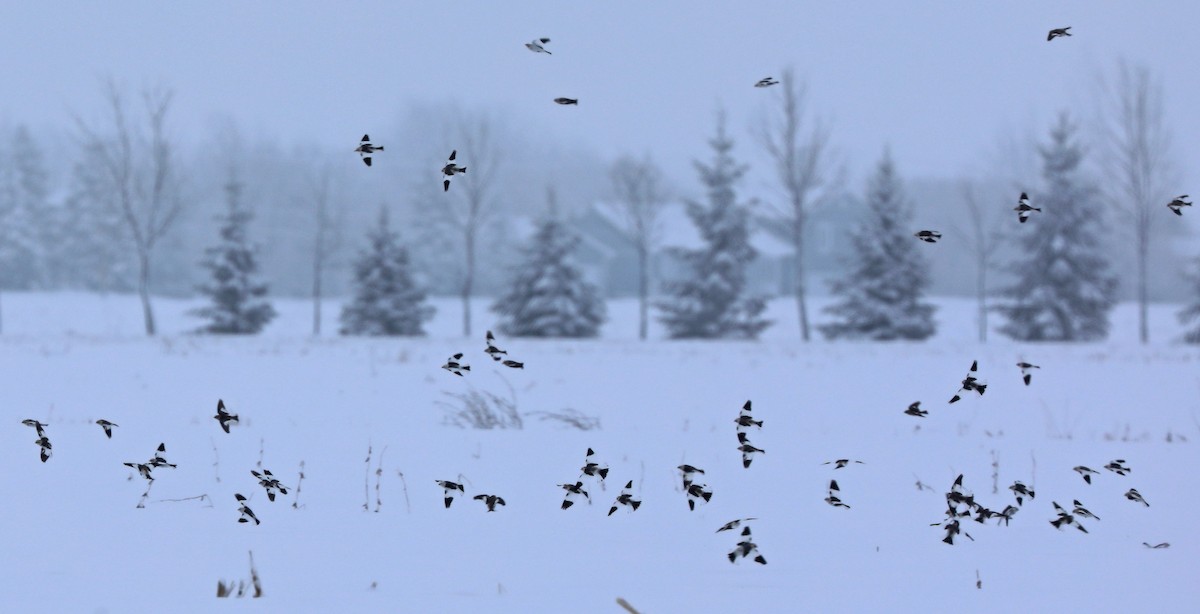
(276, 95)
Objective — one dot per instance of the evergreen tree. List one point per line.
(387, 300)
(238, 306)
(1063, 289)
(23, 195)
(548, 296)
(881, 297)
(709, 302)
(1191, 313)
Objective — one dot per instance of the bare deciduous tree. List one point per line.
(142, 185)
(327, 239)
(982, 239)
(639, 197)
(471, 203)
(799, 146)
(1137, 158)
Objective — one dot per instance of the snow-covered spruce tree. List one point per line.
(709, 303)
(237, 294)
(887, 276)
(1063, 290)
(548, 296)
(1190, 315)
(387, 300)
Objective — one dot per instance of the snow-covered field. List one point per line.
(74, 540)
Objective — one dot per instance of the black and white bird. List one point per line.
(107, 426)
(448, 489)
(928, 236)
(591, 468)
(842, 462)
(247, 513)
(914, 409)
(40, 427)
(455, 365)
(1178, 203)
(1065, 518)
(969, 383)
(451, 169)
(1086, 472)
(953, 527)
(567, 101)
(1134, 495)
(1023, 208)
(574, 492)
(269, 483)
(143, 469)
(366, 148)
(491, 349)
(1118, 467)
(834, 497)
(159, 460)
(1057, 32)
(733, 524)
(224, 417)
(1082, 511)
(1156, 546)
(537, 45)
(1006, 514)
(44, 449)
(626, 499)
(746, 549)
(697, 492)
(748, 451)
(688, 471)
(1021, 491)
(766, 82)
(745, 420)
(959, 496)
(512, 364)
(491, 501)
(1026, 371)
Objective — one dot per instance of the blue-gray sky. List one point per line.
(935, 80)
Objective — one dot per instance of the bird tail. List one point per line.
(465, 367)
(463, 170)
(637, 504)
(707, 496)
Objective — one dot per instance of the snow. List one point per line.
(76, 542)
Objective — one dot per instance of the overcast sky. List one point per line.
(938, 81)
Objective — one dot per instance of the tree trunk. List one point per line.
(643, 292)
(468, 282)
(981, 293)
(1143, 292)
(144, 292)
(316, 293)
(798, 274)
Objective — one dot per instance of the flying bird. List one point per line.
(567, 101)
(512, 364)
(491, 501)
(247, 513)
(454, 365)
(574, 491)
(766, 82)
(928, 236)
(733, 524)
(1026, 371)
(537, 46)
(159, 460)
(448, 489)
(1023, 208)
(365, 149)
(1134, 495)
(224, 417)
(591, 468)
(953, 527)
(841, 463)
(914, 409)
(107, 426)
(30, 422)
(834, 498)
(959, 496)
(1086, 472)
(1021, 491)
(1065, 518)
(142, 469)
(748, 451)
(451, 169)
(1007, 514)
(746, 549)
(625, 498)
(745, 420)
(969, 383)
(697, 492)
(269, 483)
(1178, 203)
(44, 451)
(1157, 546)
(1118, 467)
(688, 471)
(1057, 32)
(1082, 511)
(492, 350)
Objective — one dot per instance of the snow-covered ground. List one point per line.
(75, 542)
